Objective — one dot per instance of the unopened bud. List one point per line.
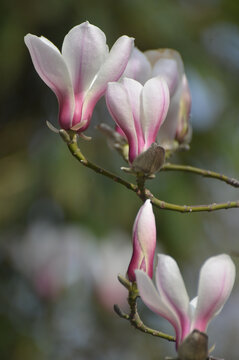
(144, 242)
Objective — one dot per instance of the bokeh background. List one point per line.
(66, 231)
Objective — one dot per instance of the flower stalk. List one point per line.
(71, 139)
(202, 172)
(133, 316)
(140, 179)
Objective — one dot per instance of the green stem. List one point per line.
(140, 179)
(190, 208)
(75, 150)
(134, 317)
(202, 172)
(71, 140)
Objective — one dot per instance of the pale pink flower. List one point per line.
(168, 64)
(144, 242)
(170, 300)
(79, 75)
(52, 258)
(138, 110)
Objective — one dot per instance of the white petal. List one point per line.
(185, 103)
(169, 65)
(138, 67)
(84, 50)
(49, 43)
(119, 106)
(167, 69)
(193, 303)
(171, 286)
(155, 103)
(111, 70)
(153, 56)
(134, 89)
(169, 127)
(49, 64)
(192, 307)
(178, 113)
(52, 68)
(216, 280)
(153, 300)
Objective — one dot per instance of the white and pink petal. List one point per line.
(119, 106)
(134, 89)
(167, 69)
(49, 64)
(171, 287)
(138, 67)
(154, 301)
(84, 50)
(144, 241)
(216, 281)
(169, 65)
(53, 70)
(154, 107)
(145, 231)
(111, 70)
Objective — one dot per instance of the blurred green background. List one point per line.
(62, 225)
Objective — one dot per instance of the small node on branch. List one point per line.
(65, 136)
(85, 137)
(120, 313)
(52, 127)
(125, 282)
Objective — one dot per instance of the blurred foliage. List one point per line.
(41, 181)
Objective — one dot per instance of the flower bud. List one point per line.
(144, 242)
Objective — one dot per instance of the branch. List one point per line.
(141, 192)
(134, 317)
(202, 172)
(190, 208)
(75, 150)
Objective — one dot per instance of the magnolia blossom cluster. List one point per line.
(147, 94)
(169, 298)
(148, 97)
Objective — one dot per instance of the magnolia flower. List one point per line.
(52, 258)
(170, 299)
(79, 75)
(138, 110)
(168, 64)
(144, 242)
